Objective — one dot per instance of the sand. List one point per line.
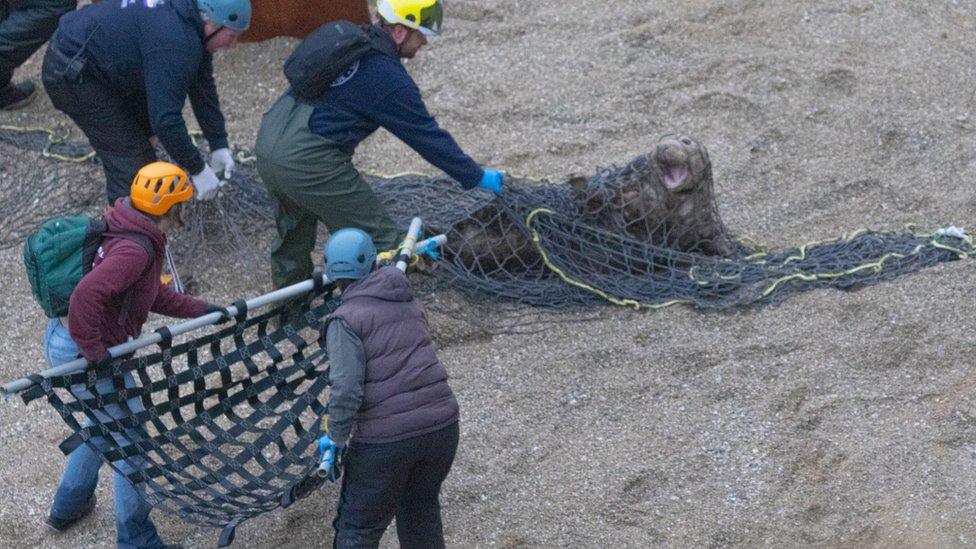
(836, 419)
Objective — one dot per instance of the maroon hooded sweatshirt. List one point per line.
(97, 319)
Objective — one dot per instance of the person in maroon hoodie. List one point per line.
(109, 306)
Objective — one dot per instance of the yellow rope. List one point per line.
(803, 249)
(537, 241)
(878, 265)
(195, 135)
(52, 139)
(962, 254)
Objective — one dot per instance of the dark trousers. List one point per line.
(117, 126)
(401, 479)
(24, 26)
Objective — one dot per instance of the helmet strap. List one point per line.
(388, 29)
(207, 38)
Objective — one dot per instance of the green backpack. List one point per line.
(61, 251)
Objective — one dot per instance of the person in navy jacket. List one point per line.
(123, 69)
(304, 148)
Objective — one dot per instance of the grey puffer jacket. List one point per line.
(404, 389)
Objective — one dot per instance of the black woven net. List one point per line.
(219, 428)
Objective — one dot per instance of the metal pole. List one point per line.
(171, 265)
(409, 244)
(77, 365)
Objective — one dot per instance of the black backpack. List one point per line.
(325, 55)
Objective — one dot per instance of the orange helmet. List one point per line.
(158, 187)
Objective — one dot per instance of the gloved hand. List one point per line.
(222, 161)
(429, 249)
(100, 359)
(491, 180)
(212, 308)
(206, 183)
(330, 466)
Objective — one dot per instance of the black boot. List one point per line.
(14, 96)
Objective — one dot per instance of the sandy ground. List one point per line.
(833, 420)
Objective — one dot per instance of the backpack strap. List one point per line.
(147, 245)
(380, 40)
(139, 238)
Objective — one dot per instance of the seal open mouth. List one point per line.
(674, 176)
(672, 160)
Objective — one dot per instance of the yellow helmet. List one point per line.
(425, 16)
(158, 187)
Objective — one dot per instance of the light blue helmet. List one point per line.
(233, 14)
(349, 254)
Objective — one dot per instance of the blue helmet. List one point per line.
(349, 254)
(233, 14)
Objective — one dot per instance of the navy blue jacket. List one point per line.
(377, 91)
(155, 58)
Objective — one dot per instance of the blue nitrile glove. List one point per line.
(491, 180)
(330, 466)
(429, 249)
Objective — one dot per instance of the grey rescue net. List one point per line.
(646, 234)
(220, 428)
(67, 180)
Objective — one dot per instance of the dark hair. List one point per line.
(158, 218)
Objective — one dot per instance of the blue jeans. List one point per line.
(133, 526)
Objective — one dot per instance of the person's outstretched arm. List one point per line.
(168, 73)
(347, 373)
(206, 105)
(403, 113)
(169, 302)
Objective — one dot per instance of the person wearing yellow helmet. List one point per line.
(108, 306)
(306, 142)
(425, 16)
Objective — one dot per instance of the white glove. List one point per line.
(222, 161)
(206, 183)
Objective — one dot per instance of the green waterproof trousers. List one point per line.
(311, 179)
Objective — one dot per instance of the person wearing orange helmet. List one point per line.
(108, 306)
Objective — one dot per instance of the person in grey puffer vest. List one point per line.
(392, 419)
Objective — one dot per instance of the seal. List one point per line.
(663, 198)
